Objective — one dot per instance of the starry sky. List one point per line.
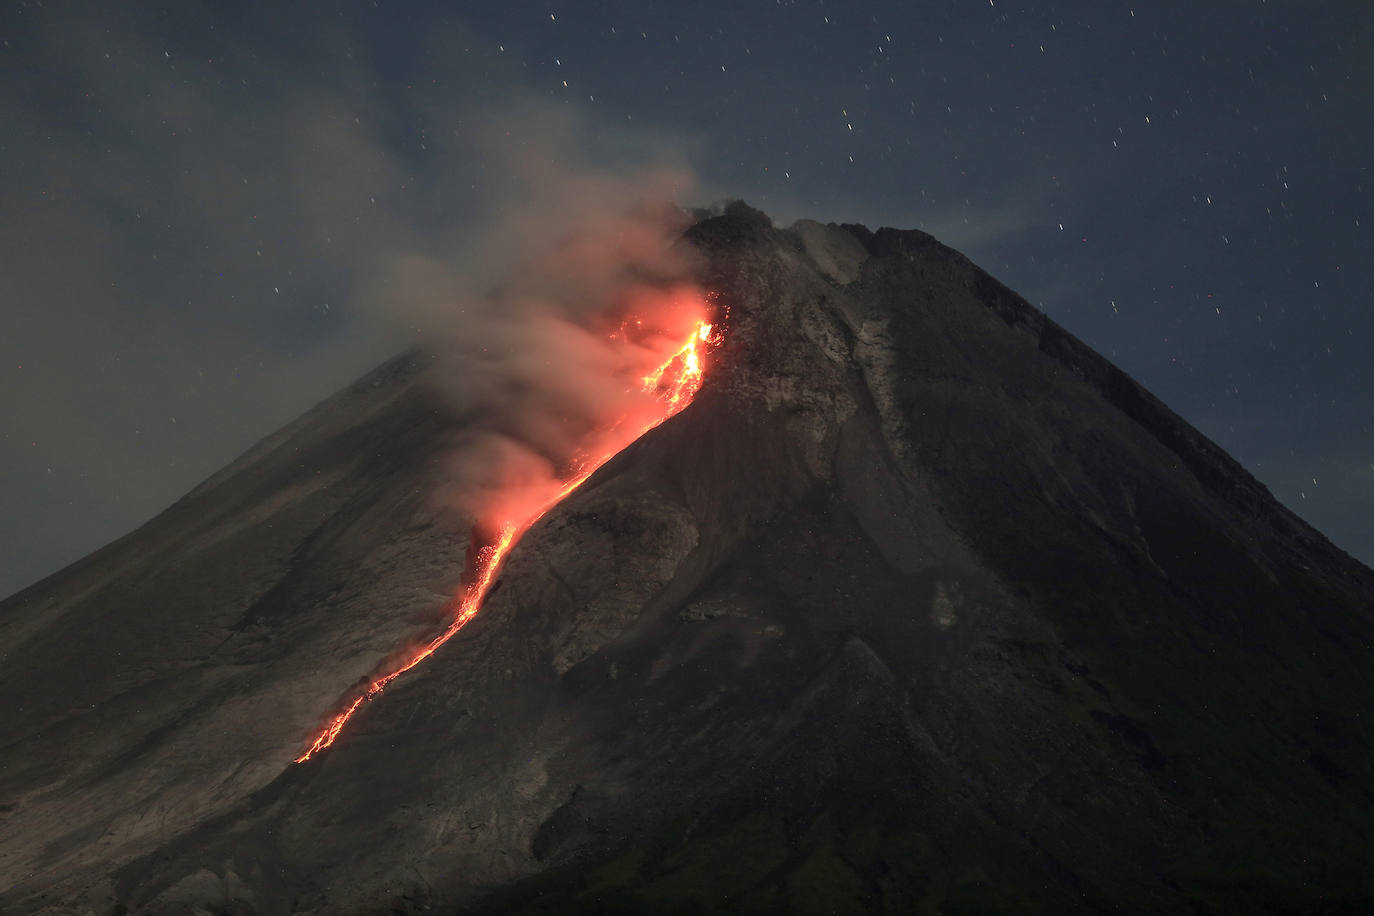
(196, 201)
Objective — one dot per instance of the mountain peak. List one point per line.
(920, 605)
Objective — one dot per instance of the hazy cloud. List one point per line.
(547, 312)
(202, 238)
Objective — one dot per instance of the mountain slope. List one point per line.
(171, 673)
(921, 606)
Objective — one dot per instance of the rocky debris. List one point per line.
(921, 606)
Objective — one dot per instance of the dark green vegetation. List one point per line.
(921, 607)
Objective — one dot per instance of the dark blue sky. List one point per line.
(196, 200)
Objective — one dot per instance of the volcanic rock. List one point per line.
(920, 606)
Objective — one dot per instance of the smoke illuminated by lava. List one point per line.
(562, 327)
(662, 392)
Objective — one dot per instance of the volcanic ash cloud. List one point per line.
(548, 328)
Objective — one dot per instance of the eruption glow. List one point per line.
(670, 387)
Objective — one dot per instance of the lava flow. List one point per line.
(673, 384)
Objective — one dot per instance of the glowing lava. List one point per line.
(673, 384)
(682, 371)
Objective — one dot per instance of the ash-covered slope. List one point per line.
(167, 676)
(921, 606)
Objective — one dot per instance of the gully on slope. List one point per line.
(673, 383)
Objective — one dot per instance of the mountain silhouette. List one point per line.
(921, 606)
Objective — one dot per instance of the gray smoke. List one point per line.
(544, 323)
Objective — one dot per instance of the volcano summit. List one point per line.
(919, 606)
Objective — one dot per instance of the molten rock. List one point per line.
(920, 605)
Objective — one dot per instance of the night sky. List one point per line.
(196, 202)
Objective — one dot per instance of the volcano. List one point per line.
(920, 606)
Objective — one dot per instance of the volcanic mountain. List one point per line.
(920, 606)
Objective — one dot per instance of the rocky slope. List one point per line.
(921, 606)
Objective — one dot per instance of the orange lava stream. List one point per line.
(675, 382)
(682, 385)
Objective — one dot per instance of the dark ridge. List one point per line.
(1212, 466)
(738, 224)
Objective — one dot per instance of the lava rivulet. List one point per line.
(487, 561)
(679, 376)
(673, 384)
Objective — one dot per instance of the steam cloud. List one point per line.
(544, 325)
(210, 248)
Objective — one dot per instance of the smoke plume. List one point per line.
(545, 325)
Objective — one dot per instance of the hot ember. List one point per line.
(670, 386)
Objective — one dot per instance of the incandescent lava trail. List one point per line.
(672, 384)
